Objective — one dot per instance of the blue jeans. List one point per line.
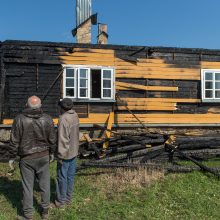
(65, 179)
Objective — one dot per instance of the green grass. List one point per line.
(180, 196)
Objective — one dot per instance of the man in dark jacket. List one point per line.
(67, 151)
(33, 138)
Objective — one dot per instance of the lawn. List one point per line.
(123, 194)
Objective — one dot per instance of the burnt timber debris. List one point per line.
(152, 151)
(146, 149)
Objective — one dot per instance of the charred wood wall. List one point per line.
(30, 70)
(173, 63)
(31, 67)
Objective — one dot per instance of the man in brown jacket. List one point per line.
(33, 138)
(67, 151)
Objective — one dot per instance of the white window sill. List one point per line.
(92, 100)
(210, 100)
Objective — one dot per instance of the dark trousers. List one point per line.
(30, 169)
(65, 180)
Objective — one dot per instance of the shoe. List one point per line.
(23, 218)
(59, 205)
(45, 214)
(68, 203)
(52, 205)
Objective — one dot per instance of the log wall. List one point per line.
(161, 85)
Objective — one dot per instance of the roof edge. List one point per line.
(161, 49)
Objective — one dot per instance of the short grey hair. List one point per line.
(34, 102)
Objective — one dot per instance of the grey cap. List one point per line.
(66, 104)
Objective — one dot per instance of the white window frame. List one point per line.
(203, 88)
(77, 81)
(88, 82)
(64, 82)
(112, 84)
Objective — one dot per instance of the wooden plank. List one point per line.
(147, 104)
(109, 127)
(159, 70)
(124, 88)
(162, 100)
(87, 63)
(84, 54)
(210, 65)
(148, 108)
(157, 76)
(147, 118)
(147, 88)
(86, 59)
(89, 50)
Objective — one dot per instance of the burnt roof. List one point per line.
(160, 49)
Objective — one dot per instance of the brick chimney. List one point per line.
(84, 32)
(102, 37)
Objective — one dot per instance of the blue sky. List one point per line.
(175, 23)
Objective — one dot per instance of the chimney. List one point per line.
(84, 33)
(84, 21)
(102, 34)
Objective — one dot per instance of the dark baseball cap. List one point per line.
(66, 104)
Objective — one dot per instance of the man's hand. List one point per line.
(12, 167)
(11, 164)
(51, 158)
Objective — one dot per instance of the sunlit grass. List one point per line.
(123, 194)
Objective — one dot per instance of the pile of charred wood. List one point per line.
(153, 150)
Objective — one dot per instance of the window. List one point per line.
(210, 85)
(70, 82)
(83, 83)
(107, 83)
(88, 83)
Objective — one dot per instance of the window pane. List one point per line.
(83, 73)
(107, 74)
(208, 76)
(83, 93)
(70, 82)
(70, 92)
(107, 93)
(106, 83)
(83, 83)
(217, 85)
(217, 76)
(208, 94)
(217, 94)
(69, 72)
(208, 85)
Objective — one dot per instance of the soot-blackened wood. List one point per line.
(202, 166)
(21, 87)
(100, 107)
(132, 94)
(132, 154)
(200, 154)
(2, 83)
(197, 142)
(81, 109)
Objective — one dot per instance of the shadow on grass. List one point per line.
(95, 173)
(12, 191)
(52, 190)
